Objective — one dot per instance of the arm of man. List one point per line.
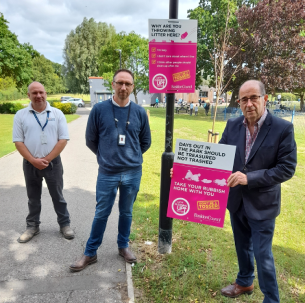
(237, 177)
(36, 162)
(285, 166)
(18, 139)
(145, 136)
(58, 148)
(281, 172)
(92, 135)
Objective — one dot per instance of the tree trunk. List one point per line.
(302, 102)
(135, 97)
(234, 97)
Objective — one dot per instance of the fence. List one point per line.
(232, 112)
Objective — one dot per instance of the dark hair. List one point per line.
(123, 70)
(261, 86)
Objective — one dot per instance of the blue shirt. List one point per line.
(102, 136)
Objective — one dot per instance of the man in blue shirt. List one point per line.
(191, 108)
(118, 133)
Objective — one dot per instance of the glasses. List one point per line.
(253, 99)
(127, 84)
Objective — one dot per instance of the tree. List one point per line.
(134, 56)
(275, 51)
(81, 52)
(15, 60)
(47, 73)
(212, 16)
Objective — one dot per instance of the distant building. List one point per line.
(99, 92)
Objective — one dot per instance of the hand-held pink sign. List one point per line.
(199, 190)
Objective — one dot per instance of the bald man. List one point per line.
(40, 133)
(266, 156)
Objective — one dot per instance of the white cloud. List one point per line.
(46, 23)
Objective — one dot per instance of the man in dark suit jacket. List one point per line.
(265, 157)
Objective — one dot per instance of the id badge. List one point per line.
(121, 140)
(43, 138)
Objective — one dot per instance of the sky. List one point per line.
(45, 24)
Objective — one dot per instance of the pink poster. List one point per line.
(172, 56)
(199, 190)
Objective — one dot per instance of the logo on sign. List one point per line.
(159, 81)
(180, 207)
(208, 205)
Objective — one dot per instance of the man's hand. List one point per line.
(171, 172)
(40, 163)
(236, 179)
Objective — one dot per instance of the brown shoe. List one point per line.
(82, 263)
(29, 233)
(128, 255)
(235, 290)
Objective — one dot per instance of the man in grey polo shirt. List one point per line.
(40, 133)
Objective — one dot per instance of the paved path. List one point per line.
(37, 271)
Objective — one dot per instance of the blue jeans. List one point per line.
(253, 238)
(106, 190)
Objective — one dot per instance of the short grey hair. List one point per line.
(260, 84)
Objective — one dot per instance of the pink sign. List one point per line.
(199, 191)
(172, 56)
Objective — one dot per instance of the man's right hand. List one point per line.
(40, 163)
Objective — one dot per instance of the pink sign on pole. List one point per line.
(199, 190)
(172, 56)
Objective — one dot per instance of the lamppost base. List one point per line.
(165, 241)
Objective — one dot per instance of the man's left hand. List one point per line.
(236, 179)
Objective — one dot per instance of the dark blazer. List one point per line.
(272, 160)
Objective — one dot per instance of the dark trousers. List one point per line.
(253, 238)
(53, 176)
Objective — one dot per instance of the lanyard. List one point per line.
(48, 113)
(116, 120)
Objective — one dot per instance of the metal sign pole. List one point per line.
(165, 223)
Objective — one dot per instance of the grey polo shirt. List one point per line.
(27, 130)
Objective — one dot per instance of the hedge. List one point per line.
(11, 95)
(10, 108)
(66, 108)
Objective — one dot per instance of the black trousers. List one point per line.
(53, 176)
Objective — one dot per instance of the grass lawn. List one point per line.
(203, 258)
(6, 125)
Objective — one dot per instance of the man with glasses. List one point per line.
(118, 133)
(265, 157)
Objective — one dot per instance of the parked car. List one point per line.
(65, 98)
(77, 101)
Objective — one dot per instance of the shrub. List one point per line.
(11, 94)
(66, 108)
(10, 108)
(288, 97)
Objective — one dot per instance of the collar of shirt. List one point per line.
(114, 103)
(47, 109)
(260, 122)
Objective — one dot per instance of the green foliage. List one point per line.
(10, 108)
(211, 17)
(134, 56)
(48, 73)
(6, 83)
(289, 97)
(15, 60)
(11, 94)
(81, 51)
(66, 108)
